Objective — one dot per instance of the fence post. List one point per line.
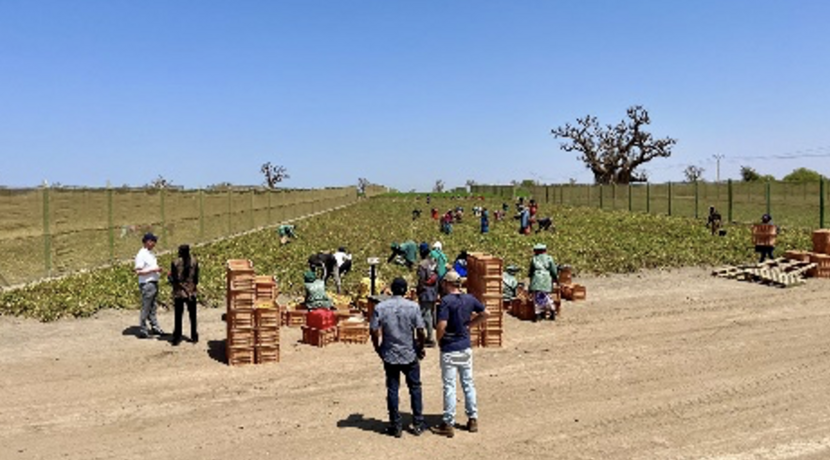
(547, 194)
(109, 223)
(163, 221)
(669, 198)
(600, 196)
(821, 203)
(253, 222)
(269, 206)
(562, 194)
(648, 198)
(614, 195)
(201, 214)
(230, 207)
(729, 197)
(588, 203)
(47, 234)
(696, 198)
(629, 197)
(768, 197)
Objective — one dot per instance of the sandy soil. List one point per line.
(667, 365)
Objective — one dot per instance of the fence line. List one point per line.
(48, 232)
(791, 204)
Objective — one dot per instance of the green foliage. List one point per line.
(749, 174)
(591, 240)
(803, 175)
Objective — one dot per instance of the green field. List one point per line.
(591, 240)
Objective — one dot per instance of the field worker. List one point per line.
(395, 324)
(405, 253)
(533, 209)
(714, 221)
(543, 273)
(427, 290)
(184, 275)
(485, 221)
(147, 269)
(544, 224)
(509, 283)
(446, 223)
(286, 232)
(765, 250)
(457, 314)
(416, 214)
(315, 292)
(524, 220)
(343, 262)
(459, 214)
(435, 214)
(505, 207)
(325, 262)
(429, 199)
(460, 264)
(440, 258)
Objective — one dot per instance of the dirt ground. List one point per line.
(661, 365)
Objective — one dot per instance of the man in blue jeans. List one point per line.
(456, 315)
(147, 269)
(394, 324)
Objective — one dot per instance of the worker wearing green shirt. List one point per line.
(543, 273)
(315, 292)
(405, 253)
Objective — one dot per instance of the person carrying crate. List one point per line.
(543, 274)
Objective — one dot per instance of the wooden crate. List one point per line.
(243, 282)
(239, 266)
(494, 303)
(241, 300)
(353, 332)
(492, 339)
(267, 318)
(266, 288)
(578, 292)
(565, 275)
(763, 235)
(241, 338)
(267, 354)
(494, 320)
(821, 241)
(294, 318)
(822, 269)
(239, 356)
(802, 256)
(524, 310)
(267, 337)
(475, 337)
(240, 318)
(319, 337)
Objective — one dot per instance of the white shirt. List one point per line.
(144, 260)
(341, 257)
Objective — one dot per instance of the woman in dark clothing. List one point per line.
(184, 275)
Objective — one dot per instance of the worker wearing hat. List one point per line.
(147, 269)
(509, 282)
(543, 274)
(441, 260)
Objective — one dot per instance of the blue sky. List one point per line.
(401, 92)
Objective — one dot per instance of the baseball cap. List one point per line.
(453, 277)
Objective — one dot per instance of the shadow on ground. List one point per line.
(374, 425)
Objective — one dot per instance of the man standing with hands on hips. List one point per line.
(395, 323)
(147, 269)
(457, 314)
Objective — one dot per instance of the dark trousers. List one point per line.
(191, 310)
(766, 251)
(412, 374)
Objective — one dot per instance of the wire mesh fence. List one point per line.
(54, 231)
(791, 204)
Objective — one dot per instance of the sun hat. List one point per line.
(512, 269)
(539, 247)
(437, 245)
(453, 277)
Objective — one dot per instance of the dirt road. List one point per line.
(663, 365)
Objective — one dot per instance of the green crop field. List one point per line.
(593, 241)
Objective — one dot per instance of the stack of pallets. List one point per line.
(781, 272)
(484, 281)
(267, 321)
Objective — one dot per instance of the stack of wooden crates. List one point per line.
(569, 290)
(820, 255)
(484, 281)
(253, 317)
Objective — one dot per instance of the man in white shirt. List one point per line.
(147, 269)
(344, 265)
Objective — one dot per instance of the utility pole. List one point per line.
(718, 158)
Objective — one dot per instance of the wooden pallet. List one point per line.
(779, 272)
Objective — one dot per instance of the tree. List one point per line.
(803, 175)
(613, 153)
(749, 174)
(439, 186)
(693, 173)
(274, 174)
(362, 183)
(527, 183)
(470, 184)
(159, 183)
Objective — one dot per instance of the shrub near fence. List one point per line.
(55, 231)
(790, 204)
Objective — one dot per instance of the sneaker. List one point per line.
(444, 429)
(417, 430)
(393, 430)
(156, 331)
(142, 334)
(176, 343)
(472, 425)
